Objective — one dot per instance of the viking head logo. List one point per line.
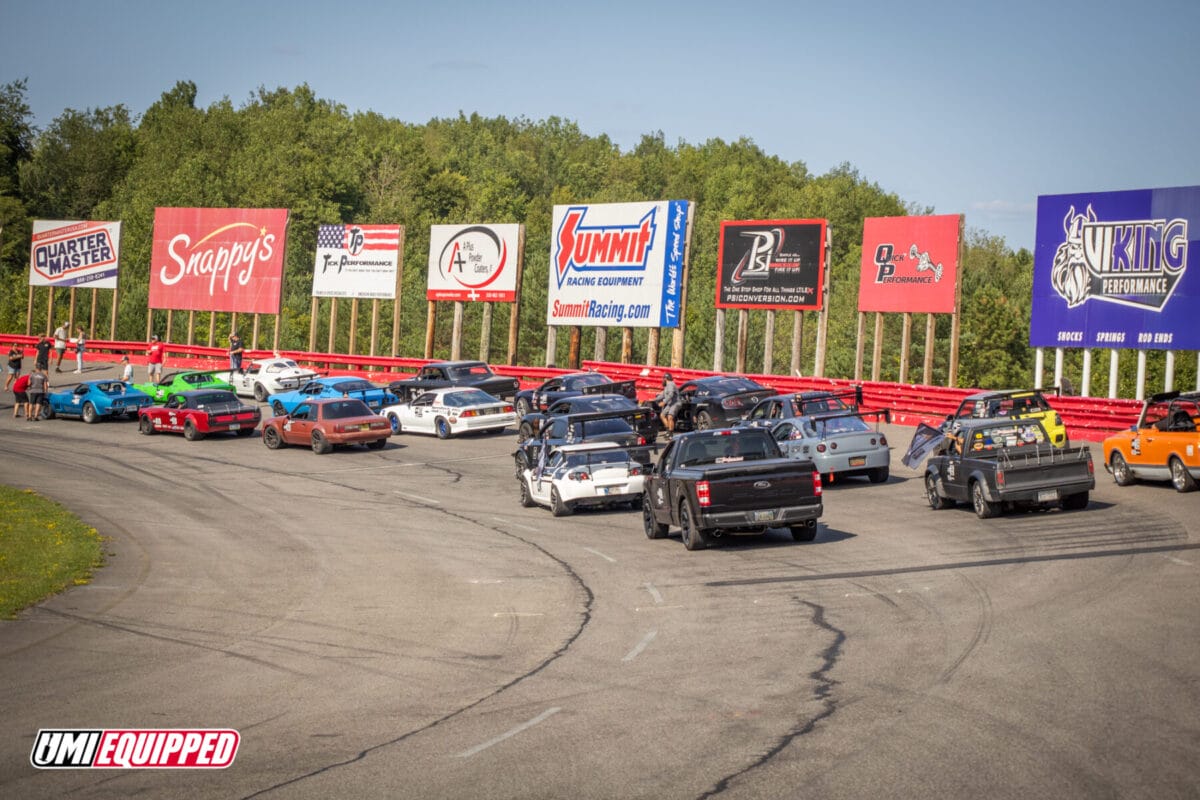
(1069, 275)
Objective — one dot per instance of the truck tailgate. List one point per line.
(760, 484)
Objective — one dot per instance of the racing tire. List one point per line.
(1181, 479)
(89, 414)
(47, 412)
(272, 439)
(523, 407)
(1075, 502)
(378, 444)
(704, 421)
(879, 474)
(190, 433)
(277, 408)
(520, 464)
(653, 528)
(145, 426)
(442, 428)
(984, 508)
(260, 393)
(936, 501)
(320, 445)
(557, 505)
(394, 421)
(804, 533)
(526, 497)
(524, 433)
(1122, 475)
(694, 538)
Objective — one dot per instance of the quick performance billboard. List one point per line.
(909, 264)
(618, 264)
(473, 263)
(74, 254)
(218, 259)
(357, 261)
(1113, 270)
(771, 264)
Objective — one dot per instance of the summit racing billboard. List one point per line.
(1112, 269)
(618, 264)
(777, 263)
(909, 264)
(74, 254)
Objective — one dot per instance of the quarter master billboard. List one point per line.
(618, 264)
(74, 254)
(775, 263)
(218, 259)
(909, 264)
(1111, 269)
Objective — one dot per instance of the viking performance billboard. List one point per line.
(473, 263)
(357, 261)
(618, 264)
(1112, 270)
(909, 264)
(771, 264)
(74, 254)
(218, 259)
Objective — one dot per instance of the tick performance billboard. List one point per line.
(1113, 270)
(74, 254)
(618, 264)
(771, 264)
(357, 261)
(218, 259)
(473, 263)
(909, 264)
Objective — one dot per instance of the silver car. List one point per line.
(837, 444)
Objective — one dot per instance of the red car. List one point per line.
(324, 423)
(198, 413)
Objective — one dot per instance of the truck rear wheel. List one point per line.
(694, 537)
(984, 508)
(806, 532)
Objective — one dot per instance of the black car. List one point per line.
(619, 427)
(440, 374)
(570, 385)
(532, 423)
(719, 401)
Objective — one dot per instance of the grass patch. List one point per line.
(43, 549)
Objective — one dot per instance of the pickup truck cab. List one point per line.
(729, 481)
(996, 464)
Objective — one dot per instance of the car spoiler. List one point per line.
(856, 392)
(626, 388)
(638, 416)
(886, 413)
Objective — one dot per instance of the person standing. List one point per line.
(669, 401)
(80, 345)
(42, 361)
(20, 389)
(126, 370)
(60, 344)
(235, 353)
(15, 354)
(39, 384)
(154, 360)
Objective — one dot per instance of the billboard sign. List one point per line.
(618, 264)
(909, 264)
(771, 264)
(74, 254)
(218, 259)
(473, 262)
(357, 261)
(1114, 270)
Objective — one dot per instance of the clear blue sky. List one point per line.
(973, 108)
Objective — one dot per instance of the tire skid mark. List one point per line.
(822, 692)
(983, 628)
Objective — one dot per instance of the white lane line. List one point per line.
(1179, 561)
(540, 718)
(654, 593)
(514, 524)
(518, 614)
(419, 497)
(598, 553)
(635, 652)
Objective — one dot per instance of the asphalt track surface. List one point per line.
(393, 624)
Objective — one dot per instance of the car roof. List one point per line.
(456, 363)
(998, 393)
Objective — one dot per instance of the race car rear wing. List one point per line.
(855, 392)
(824, 419)
(626, 388)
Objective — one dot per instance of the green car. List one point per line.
(175, 382)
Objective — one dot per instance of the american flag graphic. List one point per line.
(356, 238)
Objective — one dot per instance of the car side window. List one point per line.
(301, 412)
(783, 432)
(172, 402)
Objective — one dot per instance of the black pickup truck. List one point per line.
(997, 464)
(440, 374)
(729, 481)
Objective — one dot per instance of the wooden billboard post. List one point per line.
(514, 316)
(719, 344)
(399, 292)
(797, 342)
(823, 315)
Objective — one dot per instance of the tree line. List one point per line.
(287, 148)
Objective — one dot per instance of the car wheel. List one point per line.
(936, 501)
(260, 393)
(523, 407)
(524, 433)
(1181, 479)
(442, 428)
(378, 444)
(394, 421)
(983, 507)
(526, 497)
(47, 412)
(878, 475)
(557, 505)
(1121, 473)
(190, 433)
(693, 537)
(272, 439)
(146, 427)
(653, 528)
(277, 408)
(703, 421)
(320, 445)
(804, 533)
(1075, 502)
(89, 413)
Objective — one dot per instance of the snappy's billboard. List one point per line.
(218, 259)
(776, 263)
(473, 263)
(74, 253)
(1114, 270)
(909, 264)
(618, 264)
(357, 261)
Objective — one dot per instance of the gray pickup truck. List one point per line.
(997, 464)
(729, 481)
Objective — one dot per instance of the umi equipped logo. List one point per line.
(1131, 262)
(176, 748)
(765, 254)
(886, 260)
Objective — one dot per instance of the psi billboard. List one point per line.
(771, 264)
(74, 254)
(218, 259)
(1114, 270)
(472, 263)
(618, 264)
(357, 261)
(909, 264)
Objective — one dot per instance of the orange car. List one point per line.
(325, 422)
(1164, 445)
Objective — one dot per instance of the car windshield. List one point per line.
(580, 381)
(352, 386)
(116, 387)
(341, 409)
(470, 371)
(835, 425)
(467, 397)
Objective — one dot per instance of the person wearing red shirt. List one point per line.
(20, 389)
(154, 360)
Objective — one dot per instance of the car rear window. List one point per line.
(341, 409)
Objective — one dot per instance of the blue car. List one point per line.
(92, 400)
(375, 397)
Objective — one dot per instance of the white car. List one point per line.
(450, 411)
(583, 474)
(267, 376)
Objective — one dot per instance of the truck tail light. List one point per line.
(1091, 466)
(703, 497)
(1000, 479)
(817, 484)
